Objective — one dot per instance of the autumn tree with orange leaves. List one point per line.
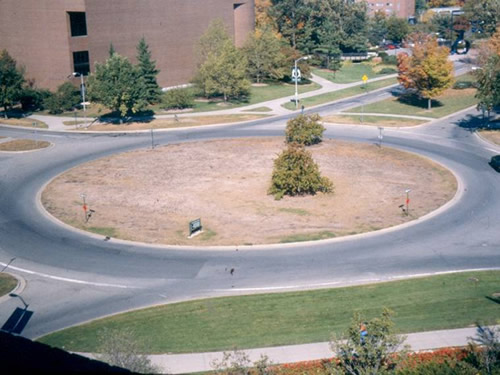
(428, 70)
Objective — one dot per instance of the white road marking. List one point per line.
(67, 279)
(359, 281)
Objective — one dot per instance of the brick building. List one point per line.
(53, 38)
(399, 8)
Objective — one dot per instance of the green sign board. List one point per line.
(194, 226)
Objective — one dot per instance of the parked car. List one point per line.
(495, 163)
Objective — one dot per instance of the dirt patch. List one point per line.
(178, 122)
(491, 135)
(151, 195)
(23, 145)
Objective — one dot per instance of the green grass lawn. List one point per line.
(352, 72)
(430, 303)
(451, 101)
(341, 94)
(7, 283)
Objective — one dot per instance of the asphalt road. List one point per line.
(73, 277)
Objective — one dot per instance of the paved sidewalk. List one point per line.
(195, 362)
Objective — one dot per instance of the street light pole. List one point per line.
(82, 90)
(21, 298)
(296, 79)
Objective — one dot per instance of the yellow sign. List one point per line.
(365, 78)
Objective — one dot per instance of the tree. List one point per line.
(397, 29)
(368, 348)
(484, 15)
(420, 7)
(335, 62)
(119, 348)
(265, 59)
(262, 19)
(428, 70)
(291, 18)
(11, 81)
(377, 28)
(305, 130)
(224, 73)
(296, 173)
(488, 76)
(354, 26)
(147, 68)
(111, 50)
(212, 40)
(118, 85)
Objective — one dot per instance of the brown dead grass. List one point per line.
(385, 121)
(24, 122)
(23, 145)
(181, 122)
(151, 195)
(491, 135)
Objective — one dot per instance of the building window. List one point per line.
(81, 63)
(78, 23)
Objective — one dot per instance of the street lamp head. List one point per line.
(408, 190)
(13, 295)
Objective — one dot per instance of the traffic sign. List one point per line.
(364, 78)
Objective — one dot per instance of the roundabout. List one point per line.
(151, 195)
(73, 277)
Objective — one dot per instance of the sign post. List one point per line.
(380, 136)
(84, 205)
(408, 201)
(364, 78)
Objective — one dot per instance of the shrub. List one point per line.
(296, 173)
(383, 55)
(390, 59)
(33, 98)
(65, 98)
(387, 71)
(305, 130)
(180, 98)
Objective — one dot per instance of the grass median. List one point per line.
(492, 136)
(171, 122)
(341, 94)
(386, 121)
(18, 145)
(24, 122)
(7, 283)
(430, 303)
(451, 101)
